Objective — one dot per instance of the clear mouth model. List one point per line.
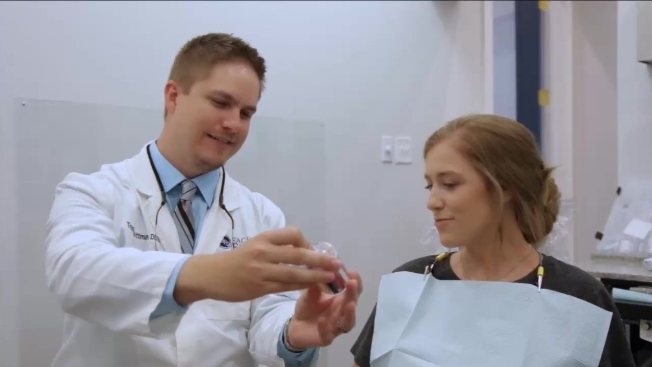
(341, 278)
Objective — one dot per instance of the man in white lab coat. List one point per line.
(165, 260)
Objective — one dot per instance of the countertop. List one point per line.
(617, 267)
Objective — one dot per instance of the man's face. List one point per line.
(212, 119)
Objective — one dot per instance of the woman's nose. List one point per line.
(434, 202)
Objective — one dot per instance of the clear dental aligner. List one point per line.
(341, 278)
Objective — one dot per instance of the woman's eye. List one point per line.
(449, 185)
(429, 187)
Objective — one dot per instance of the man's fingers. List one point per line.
(314, 294)
(354, 275)
(280, 287)
(285, 236)
(347, 320)
(289, 274)
(325, 329)
(302, 257)
(346, 316)
(351, 292)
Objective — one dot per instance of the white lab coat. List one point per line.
(108, 273)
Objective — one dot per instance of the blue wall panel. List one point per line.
(528, 65)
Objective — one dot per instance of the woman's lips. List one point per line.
(442, 222)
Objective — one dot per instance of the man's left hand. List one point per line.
(320, 317)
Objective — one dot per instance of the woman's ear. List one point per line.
(508, 196)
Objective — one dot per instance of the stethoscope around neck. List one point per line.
(220, 200)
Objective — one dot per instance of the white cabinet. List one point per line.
(644, 31)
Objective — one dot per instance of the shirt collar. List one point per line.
(171, 177)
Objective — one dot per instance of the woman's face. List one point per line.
(458, 197)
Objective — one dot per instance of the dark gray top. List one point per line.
(559, 276)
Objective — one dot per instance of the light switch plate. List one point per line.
(386, 148)
(403, 150)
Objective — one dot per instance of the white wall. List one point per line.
(557, 117)
(595, 119)
(365, 68)
(580, 121)
(599, 123)
(504, 52)
(634, 101)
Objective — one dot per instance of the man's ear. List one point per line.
(171, 93)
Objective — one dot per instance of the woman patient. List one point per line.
(491, 195)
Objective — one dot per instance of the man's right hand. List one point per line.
(256, 268)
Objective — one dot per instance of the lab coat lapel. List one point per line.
(165, 230)
(150, 203)
(217, 224)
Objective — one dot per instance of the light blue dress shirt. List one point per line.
(171, 179)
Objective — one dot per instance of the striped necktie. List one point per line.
(183, 217)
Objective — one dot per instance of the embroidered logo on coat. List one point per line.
(226, 243)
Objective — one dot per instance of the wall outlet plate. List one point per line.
(403, 150)
(386, 148)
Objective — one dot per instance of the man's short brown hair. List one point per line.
(197, 57)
